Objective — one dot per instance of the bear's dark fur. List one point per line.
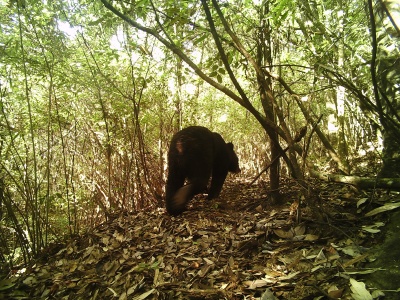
(196, 153)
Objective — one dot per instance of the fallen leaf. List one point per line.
(359, 290)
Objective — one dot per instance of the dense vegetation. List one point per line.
(91, 93)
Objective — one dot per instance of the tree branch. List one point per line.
(389, 16)
(170, 45)
(177, 51)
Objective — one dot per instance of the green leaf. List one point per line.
(284, 16)
(278, 9)
(155, 265)
(6, 284)
(96, 22)
(141, 3)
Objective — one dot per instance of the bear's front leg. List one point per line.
(217, 181)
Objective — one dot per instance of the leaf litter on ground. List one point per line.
(238, 247)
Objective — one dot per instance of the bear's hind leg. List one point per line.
(175, 182)
(177, 204)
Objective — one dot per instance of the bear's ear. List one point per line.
(230, 145)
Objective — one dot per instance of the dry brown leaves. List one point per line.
(235, 248)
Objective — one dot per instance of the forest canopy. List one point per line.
(92, 92)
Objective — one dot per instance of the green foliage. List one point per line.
(145, 267)
(214, 206)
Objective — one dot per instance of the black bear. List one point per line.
(195, 154)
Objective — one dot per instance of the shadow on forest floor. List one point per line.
(238, 247)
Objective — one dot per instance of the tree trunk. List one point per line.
(178, 99)
(264, 57)
(341, 98)
(388, 77)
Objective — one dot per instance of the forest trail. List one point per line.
(238, 247)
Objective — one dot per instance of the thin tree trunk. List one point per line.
(340, 97)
